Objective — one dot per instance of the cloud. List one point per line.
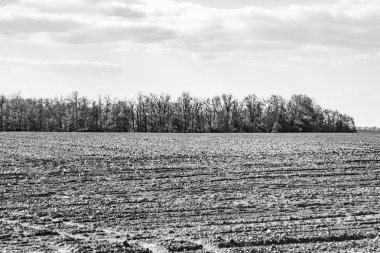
(68, 67)
(6, 2)
(35, 23)
(337, 24)
(115, 32)
(322, 61)
(332, 61)
(121, 9)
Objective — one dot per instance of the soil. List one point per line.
(92, 192)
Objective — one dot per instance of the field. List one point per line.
(73, 192)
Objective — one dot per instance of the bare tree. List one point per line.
(227, 102)
(157, 113)
(2, 111)
(254, 108)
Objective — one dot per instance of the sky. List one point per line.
(327, 49)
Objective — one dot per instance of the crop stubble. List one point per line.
(189, 192)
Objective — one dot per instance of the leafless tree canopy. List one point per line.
(161, 113)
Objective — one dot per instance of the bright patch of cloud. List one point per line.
(344, 24)
(323, 61)
(69, 67)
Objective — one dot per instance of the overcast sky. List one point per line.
(329, 50)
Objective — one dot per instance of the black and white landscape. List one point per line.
(219, 126)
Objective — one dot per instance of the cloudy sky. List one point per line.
(328, 49)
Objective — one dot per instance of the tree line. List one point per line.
(369, 129)
(161, 113)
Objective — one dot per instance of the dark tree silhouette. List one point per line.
(159, 113)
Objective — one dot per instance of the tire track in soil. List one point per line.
(154, 246)
(209, 247)
(40, 228)
(121, 236)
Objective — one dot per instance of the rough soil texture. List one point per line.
(62, 192)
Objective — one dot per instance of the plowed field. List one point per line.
(62, 192)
